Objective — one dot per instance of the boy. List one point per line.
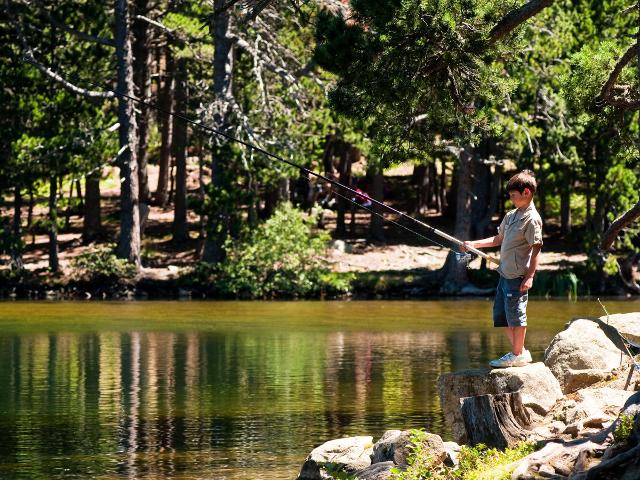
(520, 239)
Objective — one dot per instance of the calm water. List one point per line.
(230, 390)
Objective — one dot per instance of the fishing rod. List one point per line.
(335, 183)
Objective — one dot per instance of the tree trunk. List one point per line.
(376, 229)
(456, 272)
(143, 90)
(54, 264)
(92, 221)
(218, 222)
(443, 187)
(495, 420)
(129, 244)
(180, 227)
(420, 180)
(344, 177)
(565, 203)
(481, 185)
(16, 244)
(80, 197)
(166, 126)
(491, 203)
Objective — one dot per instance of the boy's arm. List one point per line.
(527, 282)
(494, 241)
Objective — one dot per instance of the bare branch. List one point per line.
(618, 224)
(155, 24)
(516, 17)
(29, 58)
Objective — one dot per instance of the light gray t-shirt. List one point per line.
(520, 230)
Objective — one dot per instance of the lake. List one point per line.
(231, 390)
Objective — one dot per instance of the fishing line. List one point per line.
(460, 256)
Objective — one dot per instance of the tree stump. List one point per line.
(495, 420)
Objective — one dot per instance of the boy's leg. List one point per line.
(516, 315)
(509, 333)
(518, 334)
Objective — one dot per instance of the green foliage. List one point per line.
(476, 463)
(281, 258)
(102, 265)
(624, 429)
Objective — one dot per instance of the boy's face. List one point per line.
(520, 199)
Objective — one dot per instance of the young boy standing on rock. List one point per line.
(520, 239)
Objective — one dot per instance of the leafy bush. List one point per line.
(475, 463)
(624, 429)
(280, 258)
(102, 265)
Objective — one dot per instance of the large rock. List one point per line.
(581, 355)
(377, 471)
(538, 387)
(628, 324)
(345, 454)
(395, 446)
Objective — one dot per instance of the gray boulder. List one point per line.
(581, 355)
(628, 324)
(377, 471)
(395, 446)
(344, 454)
(539, 388)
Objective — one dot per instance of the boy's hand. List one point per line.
(466, 246)
(526, 284)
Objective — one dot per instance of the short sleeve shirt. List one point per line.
(520, 230)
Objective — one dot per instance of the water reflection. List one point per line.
(202, 402)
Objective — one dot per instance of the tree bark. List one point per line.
(218, 222)
(143, 88)
(420, 180)
(495, 420)
(54, 263)
(344, 177)
(129, 244)
(376, 229)
(180, 227)
(16, 244)
(618, 224)
(442, 189)
(456, 272)
(80, 197)
(92, 220)
(565, 203)
(481, 185)
(166, 128)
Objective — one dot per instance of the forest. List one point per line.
(133, 138)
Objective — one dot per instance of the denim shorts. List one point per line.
(510, 305)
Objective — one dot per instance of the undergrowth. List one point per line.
(475, 463)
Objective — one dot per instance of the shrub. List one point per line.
(624, 429)
(102, 265)
(475, 463)
(280, 258)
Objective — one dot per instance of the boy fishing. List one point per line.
(520, 239)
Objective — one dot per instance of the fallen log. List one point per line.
(495, 420)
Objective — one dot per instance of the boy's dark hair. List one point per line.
(522, 180)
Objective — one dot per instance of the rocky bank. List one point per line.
(573, 403)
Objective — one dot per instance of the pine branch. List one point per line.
(516, 17)
(605, 92)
